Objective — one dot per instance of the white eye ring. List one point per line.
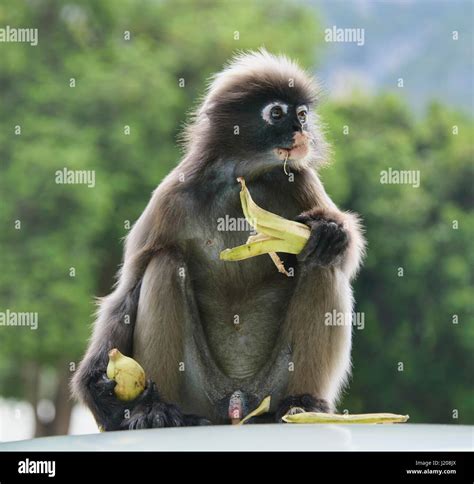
(266, 111)
(302, 113)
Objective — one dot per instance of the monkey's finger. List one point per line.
(332, 252)
(325, 240)
(336, 239)
(105, 386)
(305, 219)
(148, 394)
(335, 245)
(311, 245)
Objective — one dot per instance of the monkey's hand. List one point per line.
(328, 240)
(145, 411)
(110, 410)
(299, 404)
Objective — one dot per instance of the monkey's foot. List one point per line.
(155, 415)
(159, 415)
(299, 404)
(151, 412)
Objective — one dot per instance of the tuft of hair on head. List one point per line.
(253, 70)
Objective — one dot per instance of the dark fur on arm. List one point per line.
(114, 329)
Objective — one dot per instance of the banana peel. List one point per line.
(264, 407)
(362, 418)
(274, 233)
(328, 418)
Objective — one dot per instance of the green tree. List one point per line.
(128, 61)
(60, 244)
(420, 320)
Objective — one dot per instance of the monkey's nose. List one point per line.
(298, 127)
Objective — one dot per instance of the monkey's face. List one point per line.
(265, 130)
(259, 114)
(287, 128)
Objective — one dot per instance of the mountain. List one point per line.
(412, 40)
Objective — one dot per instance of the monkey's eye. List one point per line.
(302, 114)
(274, 112)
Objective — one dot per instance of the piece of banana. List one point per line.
(264, 407)
(259, 247)
(274, 233)
(128, 374)
(271, 224)
(361, 418)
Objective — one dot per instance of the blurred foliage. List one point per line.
(136, 83)
(409, 319)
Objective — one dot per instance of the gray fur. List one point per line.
(188, 297)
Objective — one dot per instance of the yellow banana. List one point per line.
(269, 223)
(128, 374)
(259, 247)
(362, 418)
(274, 233)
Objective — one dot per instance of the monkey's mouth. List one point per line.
(297, 151)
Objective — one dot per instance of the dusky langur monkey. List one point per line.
(206, 330)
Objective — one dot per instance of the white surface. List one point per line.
(266, 437)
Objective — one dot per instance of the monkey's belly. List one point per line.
(242, 334)
(235, 343)
(243, 350)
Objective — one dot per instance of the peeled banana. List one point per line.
(128, 374)
(362, 418)
(274, 233)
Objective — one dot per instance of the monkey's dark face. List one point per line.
(265, 129)
(287, 127)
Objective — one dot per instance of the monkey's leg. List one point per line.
(114, 328)
(158, 341)
(320, 349)
(321, 346)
